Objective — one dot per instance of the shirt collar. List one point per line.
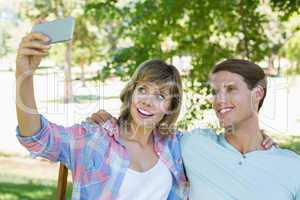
(114, 131)
(160, 146)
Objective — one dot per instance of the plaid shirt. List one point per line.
(98, 160)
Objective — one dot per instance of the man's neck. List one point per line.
(245, 137)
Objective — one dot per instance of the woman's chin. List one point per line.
(144, 124)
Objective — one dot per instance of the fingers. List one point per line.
(104, 115)
(34, 44)
(101, 117)
(267, 143)
(39, 21)
(33, 52)
(97, 118)
(36, 36)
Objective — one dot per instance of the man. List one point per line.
(234, 165)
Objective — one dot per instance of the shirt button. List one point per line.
(240, 163)
(244, 156)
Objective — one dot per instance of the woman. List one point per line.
(137, 159)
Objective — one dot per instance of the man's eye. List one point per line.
(229, 89)
(213, 92)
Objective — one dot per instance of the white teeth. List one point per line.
(225, 110)
(144, 112)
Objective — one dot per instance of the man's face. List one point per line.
(232, 101)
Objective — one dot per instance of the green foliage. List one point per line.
(6, 28)
(288, 12)
(50, 9)
(197, 98)
(291, 142)
(205, 31)
(290, 49)
(200, 29)
(4, 47)
(286, 8)
(84, 42)
(293, 47)
(123, 35)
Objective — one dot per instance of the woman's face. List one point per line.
(150, 103)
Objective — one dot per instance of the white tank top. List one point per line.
(154, 184)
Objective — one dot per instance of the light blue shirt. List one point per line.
(218, 171)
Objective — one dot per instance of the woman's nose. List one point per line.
(147, 100)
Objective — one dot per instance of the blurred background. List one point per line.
(113, 37)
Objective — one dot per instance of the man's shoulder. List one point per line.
(290, 164)
(205, 133)
(287, 154)
(200, 137)
(287, 159)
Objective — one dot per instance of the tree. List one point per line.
(4, 47)
(289, 15)
(286, 8)
(205, 31)
(199, 29)
(85, 45)
(6, 26)
(56, 9)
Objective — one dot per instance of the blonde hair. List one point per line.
(160, 73)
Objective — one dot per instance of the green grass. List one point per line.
(20, 188)
(288, 142)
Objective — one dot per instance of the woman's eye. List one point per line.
(141, 90)
(161, 97)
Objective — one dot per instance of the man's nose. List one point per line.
(221, 97)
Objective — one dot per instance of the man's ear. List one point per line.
(258, 93)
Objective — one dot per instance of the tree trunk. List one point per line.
(279, 66)
(271, 68)
(244, 31)
(68, 96)
(82, 74)
(297, 67)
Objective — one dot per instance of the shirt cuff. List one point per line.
(36, 136)
(34, 140)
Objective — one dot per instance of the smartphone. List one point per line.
(59, 30)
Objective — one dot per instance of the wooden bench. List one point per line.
(62, 182)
